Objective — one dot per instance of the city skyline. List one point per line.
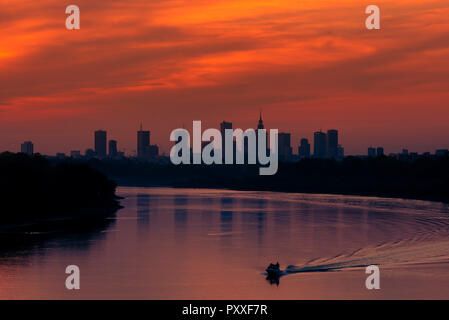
(127, 143)
(322, 145)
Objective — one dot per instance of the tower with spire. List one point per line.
(260, 125)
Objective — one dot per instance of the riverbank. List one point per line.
(418, 177)
(34, 191)
(425, 178)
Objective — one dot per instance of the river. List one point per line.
(215, 244)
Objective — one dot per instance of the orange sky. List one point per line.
(308, 64)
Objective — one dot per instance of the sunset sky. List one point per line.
(307, 64)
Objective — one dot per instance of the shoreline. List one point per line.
(73, 216)
(35, 191)
(442, 201)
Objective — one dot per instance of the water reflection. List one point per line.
(216, 244)
(42, 237)
(143, 213)
(273, 279)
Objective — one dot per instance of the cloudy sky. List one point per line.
(308, 64)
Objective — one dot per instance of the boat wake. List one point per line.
(404, 233)
(387, 255)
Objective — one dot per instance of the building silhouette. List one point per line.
(143, 142)
(284, 146)
(260, 126)
(89, 153)
(27, 147)
(371, 152)
(380, 151)
(319, 144)
(100, 143)
(332, 144)
(304, 149)
(225, 125)
(112, 148)
(144, 149)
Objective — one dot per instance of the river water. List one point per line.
(215, 244)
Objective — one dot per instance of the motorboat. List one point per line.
(273, 270)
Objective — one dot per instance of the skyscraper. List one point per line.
(112, 148)
(371, 152)
(259, 126)
(284, 147)
(100, 143)
(304, 149)
(27, 147)
(143, 142)
(332, 144)
(319, 144)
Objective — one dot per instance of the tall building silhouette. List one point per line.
(27, 147)
(259, 126)
(304, 149)
(144, 149)
(113, 148)
(100, 143)
(284, 146)
(332, 144)
(143, 142)
(319, 144)
(371, 152)
(380, 151)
